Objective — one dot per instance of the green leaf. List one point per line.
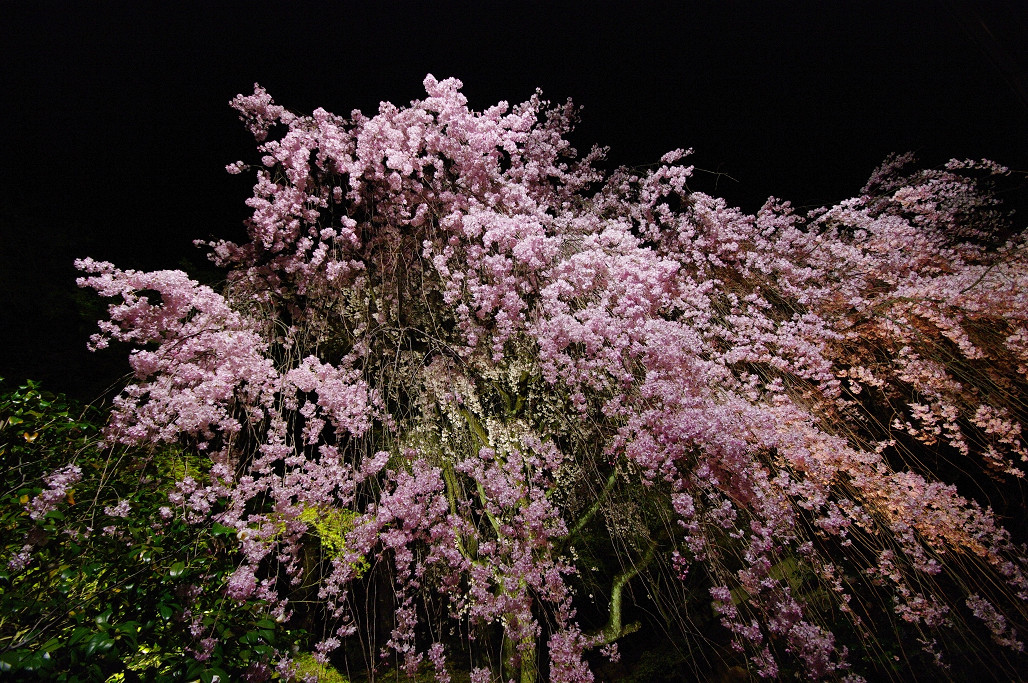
(177, 570)
(104, 620)
(50, 645)
(130, 631)
(127, 627)
(264, 650)
(13, 660)
(100, 642)
(78, 635)
(222, 530)
(208, 675)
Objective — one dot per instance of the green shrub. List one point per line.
(99, 578)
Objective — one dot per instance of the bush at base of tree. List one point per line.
(99, 579)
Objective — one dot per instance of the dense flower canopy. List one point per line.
(456, 357)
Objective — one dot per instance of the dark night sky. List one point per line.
(118, 128)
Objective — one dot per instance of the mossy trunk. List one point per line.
(520, 664)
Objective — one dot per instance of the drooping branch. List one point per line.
(615, 629)
(592, 509)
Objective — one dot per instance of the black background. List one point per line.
(117, 128)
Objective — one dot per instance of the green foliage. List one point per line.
(305, 667)
(331, 526)
(102, 595)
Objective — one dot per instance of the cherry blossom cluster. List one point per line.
(58, 483)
